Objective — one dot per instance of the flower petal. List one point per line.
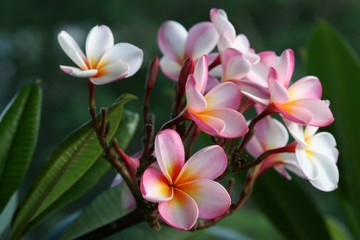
(328, 174)
(77, 72)
(195, 100)
(306, 162)
(154, 186)
(201, 74)
(220, 20)
(126, 52)
(285, 67)
(307, 87)
(99, 40)
(208, 124)
(224, 95)
(171, 40)
(235, 123)
(235, 67)
(325, 144)
(297, 132)
(181, 212)
(295, 114)
(170, 68)
(111, 72)
(211, 197)
(202, 39)
(278, 92)
(254, 91)
(320, 111)
(72, 50)
(208, 163)
(169, 152)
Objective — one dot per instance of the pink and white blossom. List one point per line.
(177, 44)
(185, 191)
(317, 156)
(215, 113)
(104, 62)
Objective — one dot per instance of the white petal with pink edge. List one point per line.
(211, 198)
(77, 72)
(72, 50)
(201, 74)
(285, 67)
(278, 92)
(169, 152)
(155, 187)
(271, 133)
(195, 100)
(201, 39)
(306, 87)
(170, 68)
(181, 212)
(224, 95)
(99, 40)
(235, 123)
(171, 39)
(208, 163)
(320, 111)
(208, 124)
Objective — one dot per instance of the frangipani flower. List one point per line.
(228, 38)
(301, 102)
(177, 45)
(104, 62)
(185, 191)
(269, 134)
(215, 113)
(317, 156)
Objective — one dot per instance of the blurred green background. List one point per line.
(29, 51)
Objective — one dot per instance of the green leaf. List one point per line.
(332, 60)
(125, 132)
(69, 162)
(289, 208)
(337, 229)
(104, 209)
(19, 127)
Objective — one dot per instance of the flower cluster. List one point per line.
(221, 81)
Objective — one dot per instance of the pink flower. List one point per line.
(269, 134)
(177, 45)
(185, 191)
(301, 102)
(215, 113)
(228, 38)
(317, 156)
(104, 62)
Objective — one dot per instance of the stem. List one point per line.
(130, 219)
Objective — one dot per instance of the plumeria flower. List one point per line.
(215, 113)
(104, 62)
(269, 134)
(301, 102)
(185, 191)
(228, 37)
(177, 44)
(317, 156)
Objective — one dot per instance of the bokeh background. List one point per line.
(29, 51)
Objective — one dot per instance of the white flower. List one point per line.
(104, 62)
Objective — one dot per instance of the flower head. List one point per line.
(185, 191)
(215, 113)
(104, 62)
(177, 44)
(317, 156)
